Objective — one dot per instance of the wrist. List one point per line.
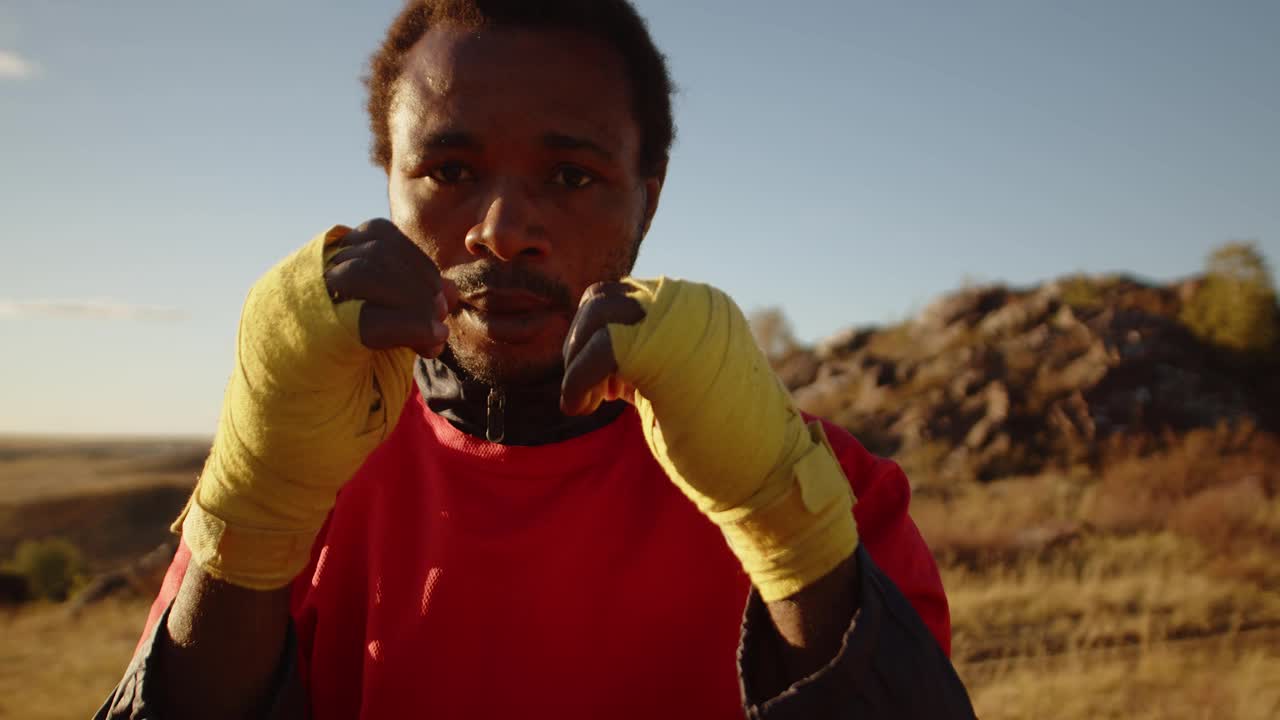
(803, 536)
(813, 623)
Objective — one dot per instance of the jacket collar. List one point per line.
(524, 415)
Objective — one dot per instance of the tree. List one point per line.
(1235, 307)
(1242, 263)
(772, 332)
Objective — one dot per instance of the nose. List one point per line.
(509, 228)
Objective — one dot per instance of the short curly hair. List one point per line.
(615, 22)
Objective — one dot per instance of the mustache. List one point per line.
(477, 278)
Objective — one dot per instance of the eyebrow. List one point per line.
(462, 140)
(560, 141)
(450, 140)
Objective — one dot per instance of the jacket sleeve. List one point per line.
(889, 666)
(133, 697)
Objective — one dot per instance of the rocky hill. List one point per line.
(993, 381)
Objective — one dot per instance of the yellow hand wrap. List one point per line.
(305, 406)
(726, 432)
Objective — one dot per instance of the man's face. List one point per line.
(514, 167)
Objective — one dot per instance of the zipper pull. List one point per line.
(495, 420)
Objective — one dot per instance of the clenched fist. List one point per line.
(718, 421)
(324, 366)
(405, 298)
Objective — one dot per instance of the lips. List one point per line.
(510, 317)
(506, 302)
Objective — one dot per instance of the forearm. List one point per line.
(220, 649)
(887, 665)
(813, 623)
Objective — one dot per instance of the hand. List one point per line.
(590, 368)
(324, 366)
(718, 421)
(406, 300)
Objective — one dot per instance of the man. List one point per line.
(592, 476)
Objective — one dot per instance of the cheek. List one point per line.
(431, 226)
(603, 237)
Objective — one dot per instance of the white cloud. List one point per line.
(15, 67)
(99, 309)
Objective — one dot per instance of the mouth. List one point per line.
(505, 302)
(507, 317)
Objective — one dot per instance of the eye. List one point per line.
(451, 173)
(572, 176)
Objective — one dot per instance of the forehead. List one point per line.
(513, 84)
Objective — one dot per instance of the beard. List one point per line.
(514, 368)
(538, 363)
(498, 364)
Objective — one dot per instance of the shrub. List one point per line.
(1083, 292)
(52, 567)
(1235, 307)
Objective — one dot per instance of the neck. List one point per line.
(514, 415)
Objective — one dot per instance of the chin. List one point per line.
(506, 366)
(501, 352)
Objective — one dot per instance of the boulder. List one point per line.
(1008, 380)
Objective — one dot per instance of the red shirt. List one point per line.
(460, 578)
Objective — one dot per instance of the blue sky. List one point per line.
(846, 161)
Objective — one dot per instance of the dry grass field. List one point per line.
(1145, 589)
(53, 666)
(109, 498)
(1148, 589)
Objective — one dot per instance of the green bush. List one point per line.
(1235, 307)
(1082, 292)
(52, 567)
